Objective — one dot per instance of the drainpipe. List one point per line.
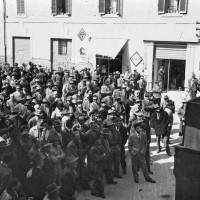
(4, 22)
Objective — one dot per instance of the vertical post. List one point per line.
(4, 20)
(169, 63)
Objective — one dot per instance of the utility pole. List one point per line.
(4, 22)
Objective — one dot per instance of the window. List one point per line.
(20, 7)
(172, 6)
(61, 7)
(62, 47)
(111, 7)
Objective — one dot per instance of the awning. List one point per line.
(109, 47)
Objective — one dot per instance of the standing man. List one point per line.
(181, 115)
(142, 84)
(137, 148)
(157, 90)
(161, 73)
(160, 123)
(193, 85)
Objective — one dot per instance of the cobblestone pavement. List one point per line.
(127, 189)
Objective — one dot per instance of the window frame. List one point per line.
(103, 8)
(60, 47)
(54, 8)
(163, 6)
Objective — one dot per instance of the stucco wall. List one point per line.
(138, 24)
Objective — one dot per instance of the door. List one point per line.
(21, 50)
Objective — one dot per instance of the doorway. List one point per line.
(174, 73)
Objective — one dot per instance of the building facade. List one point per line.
(115, 34)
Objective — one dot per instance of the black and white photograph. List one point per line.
(99, 99)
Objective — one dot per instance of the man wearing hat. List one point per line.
(38, 95)
(48, 166)
(52, 192)
(108, 162)
(22, 111)
(94, 105)
(37, 131)
(157, 90)
(135, 108)
(193, 85)
(137, 148)
(37, 118)
(95, 85)
(10, 103)
(80, 111)
(37, 179)
(142, 84)
(103, 111)
(75, 148)
(181, 115)
(98, 157)
(116, 93)
(49, 90)
(45, 108)
(127, 74)
(120, 80)
(108, 99)
(135, 76)
(69, 180)
(18, 93)
(57, 113)
(115, 145)
(57, 156)
(119, 107)
(160, 122)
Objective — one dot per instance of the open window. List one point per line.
(61, 7)
(172, 6)
(111, 7)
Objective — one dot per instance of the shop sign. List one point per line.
(82, 34)
(136, 59)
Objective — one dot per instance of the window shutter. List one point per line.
(161, 6)
(120, 7)
(102, 7)
(68, 7)
(183, 6)
(54, 7)
(20, 7)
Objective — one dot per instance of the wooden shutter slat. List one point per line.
(121, 7)
(102, 8)
(54, 7)
(22, 7)
(18, 7)
(68, 7)
(183, 6)
(161, 6)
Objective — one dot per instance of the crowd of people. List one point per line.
(62, 132)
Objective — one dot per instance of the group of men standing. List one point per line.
(61, 130)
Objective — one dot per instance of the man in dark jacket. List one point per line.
(137, 148)
(98, 157)
(69, 180)
(75, 148)
(37, 178)
(160, 123)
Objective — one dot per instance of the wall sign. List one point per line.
(82, 34)
(136, 59)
